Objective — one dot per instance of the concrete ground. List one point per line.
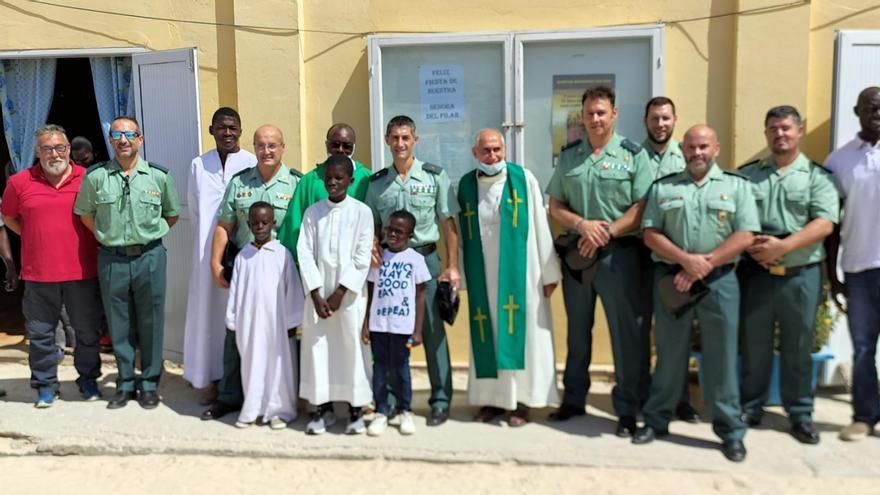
(174, 431)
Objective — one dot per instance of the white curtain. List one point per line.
(113, 91)
(26, 89)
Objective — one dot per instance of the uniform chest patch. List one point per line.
(283, 196)
(420, 189)
(244, 194)
(154, 193)
(623, 167)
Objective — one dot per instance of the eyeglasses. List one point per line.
(341, 144)
(129, 135)
(266, 147)
(58, 148)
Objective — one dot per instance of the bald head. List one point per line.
(702, 130)
(269, 130)
(269, 146)
(489, 146)
(700, 148)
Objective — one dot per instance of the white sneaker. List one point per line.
(320, 422)
(394, 419)
(243, 424)
(407, 423)
(277, 423)
(377, 426)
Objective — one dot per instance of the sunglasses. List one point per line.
(340, 144)
(129, 135)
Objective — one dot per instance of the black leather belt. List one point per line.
(134, 250)
(426, 249)
(778, 271)
(718, 272)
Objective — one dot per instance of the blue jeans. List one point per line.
(863, 299)
(391, 357)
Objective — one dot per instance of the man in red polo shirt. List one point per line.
(58, 264)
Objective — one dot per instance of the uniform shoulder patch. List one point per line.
(378, 175)
(571, 144)
(96, 166)
(667, 176)
(296, 173)
(736, 174)
(432, 169)
(631, 146)
(749, 164)
(240, 172)
(158, 167)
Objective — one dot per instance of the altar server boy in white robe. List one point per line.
(265, 306)
(334, 250)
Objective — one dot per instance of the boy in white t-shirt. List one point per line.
(394, 321)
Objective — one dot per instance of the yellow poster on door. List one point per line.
(566, 123)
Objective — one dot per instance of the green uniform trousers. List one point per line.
(133, 294)
(434, 340)
(229, 389)
(718, 316)
(646, 308)
(616, 282)
(791, 301)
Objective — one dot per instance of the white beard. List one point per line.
(54, 168)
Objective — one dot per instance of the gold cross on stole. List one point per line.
(468, 213)
(515, 201)
(480, 318)
(510, 307)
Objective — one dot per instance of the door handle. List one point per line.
(506, 125)
(520, 124)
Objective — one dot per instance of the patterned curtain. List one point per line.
(113, 91)
(26, 90)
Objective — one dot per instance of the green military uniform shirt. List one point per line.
(699, 217)
(603, 186)
(788, 201)
(670, 162)
(128, 210)
(311, 190)
(426, 193)
(246, 188)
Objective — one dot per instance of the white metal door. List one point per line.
(166, 93)
(552, 70)
(471, 79)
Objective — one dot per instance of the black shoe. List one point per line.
(626, 426)
(438, 416)
(566, 412)
(148, 399)
(805, 432)
(120, 399)
(734, 450)
(647, 434)
(686, 412)
(217, 411)
(751, 420)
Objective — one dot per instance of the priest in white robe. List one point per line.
(524, 377)
(334, 250)
(265, 302)
(205, 329)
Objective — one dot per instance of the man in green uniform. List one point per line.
(422, 189)
(596, 191)
(269, 181)
(130, 204)
(698, 222)
(340, 141)
(781, 276)
(666, 158)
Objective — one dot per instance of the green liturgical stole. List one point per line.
(511, 316)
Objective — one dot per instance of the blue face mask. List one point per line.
(492, 168)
